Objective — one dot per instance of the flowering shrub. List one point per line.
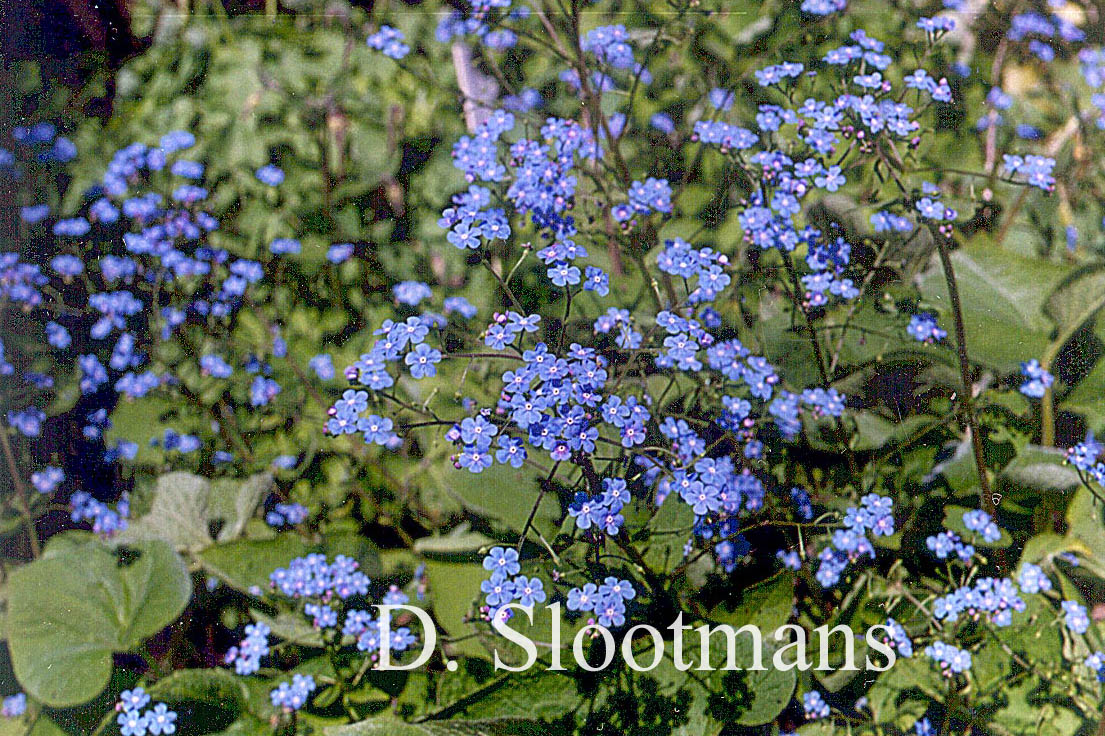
(649, 322)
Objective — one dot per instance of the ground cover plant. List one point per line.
(778, 315)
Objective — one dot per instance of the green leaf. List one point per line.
(1027, 711)
(1003, 297)
(187, 507)
(1040, 469)
(68, 612)
(766, 604)
(491, 727)
(744, 697)
(874, 431)
(461, 541)
(178, 514)
(247, 563)
(668, 533)
(247, 725)
(1084, 524)
(291, 627)
(1077, 298)
(1085, 398)
(453, 590)
(1030, 634)
(501, 493)
(233, 503)
(214, 686)
(537, 693)
(903, 693)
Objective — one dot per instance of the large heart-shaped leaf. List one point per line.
(69, 611)
(187, 508)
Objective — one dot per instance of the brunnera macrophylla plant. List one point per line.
(710, 346)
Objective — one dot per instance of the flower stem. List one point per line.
(20, 492)
(989, 503)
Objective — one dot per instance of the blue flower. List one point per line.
(339, 252)
(411, 292)
(262, 391)
(161, 720)
(14, 706)
(389, 41)
(74, 227)
(135, 699)
(831, 180)
(460, 305)
(563, 274)
(270, 174)
(596, 280)
(1032, 579)
(511, 451)
(529, 591)
(475, 459)
(721, 99)
(284, 246)
(610, 610)
(1075, 617)
(583, 599)
(187, 169)
(322, 365)
(662, 122)
(814, 705)
(612, 586)
(497, 590)
(923, 328)
(979, 521)
(422, 360)
(502, 560)
(376, 429)
(1039, 380)
(951, 660)
(34, 214)
(294, 696)
(47, 479)
(477, 431)
(57, 336)
(132, 723)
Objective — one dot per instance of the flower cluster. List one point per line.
(327, 591)
(899, 639)
(850, 543)
(608, 601)
(13, 706)
(292, 697)
(814, 705)
(246, 657)
(923, 328)
(997, 598)
(601, 513)
(133, 721)
(505, 584)
(140, 260)
(951, 660)
(313, 577)
(389, 42)
(946, 543)
(1085, 456)
(1037, 379)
